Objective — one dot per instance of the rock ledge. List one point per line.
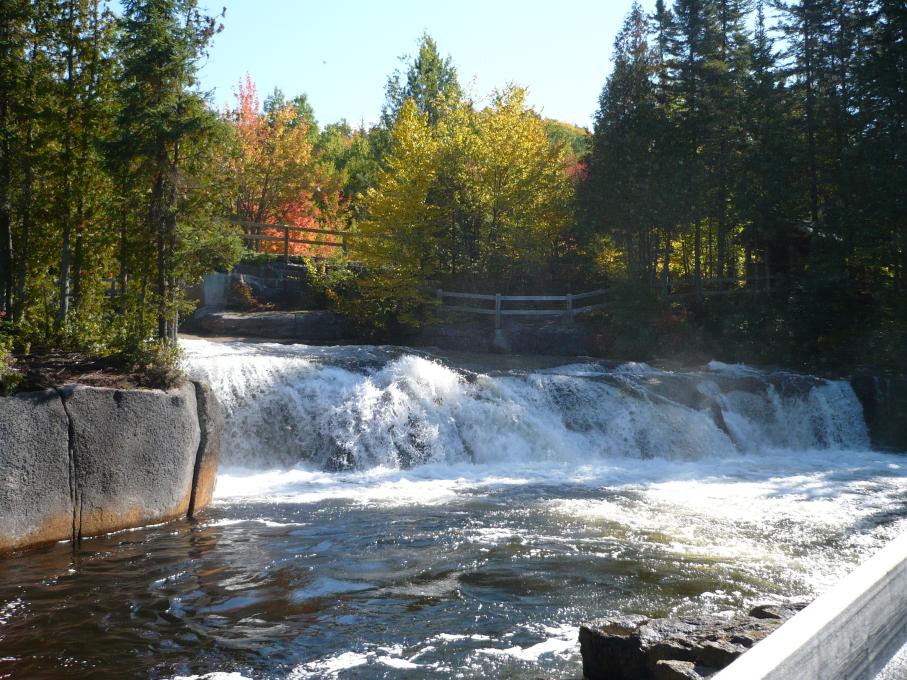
(639, 648)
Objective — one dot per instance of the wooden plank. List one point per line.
(850, 631)
(466, 296)
(523, 298)
(291, 227)
(533, 312)
(463, 308)
(534, 298)
(262, 237)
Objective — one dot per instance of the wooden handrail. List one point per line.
(291, 227)
(569, 310)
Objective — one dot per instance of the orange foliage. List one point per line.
(280, 179)
(322, 211)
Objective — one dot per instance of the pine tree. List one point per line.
(430, 82)
(693, 43)
(15, 17)
(623, 170)
(162, 117)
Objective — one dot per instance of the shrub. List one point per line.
(241, 296)
(9, 376)
(156, 365)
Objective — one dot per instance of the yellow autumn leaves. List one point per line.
(480, 198)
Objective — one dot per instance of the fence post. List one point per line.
(286, 244)
(497, 311)
(440, 294)
(569, 299)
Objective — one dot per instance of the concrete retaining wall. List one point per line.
(82, 461)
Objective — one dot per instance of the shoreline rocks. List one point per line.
(689, 648)
(83, 461)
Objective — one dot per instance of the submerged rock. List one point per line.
(639, 648)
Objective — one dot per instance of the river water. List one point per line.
(386, 513)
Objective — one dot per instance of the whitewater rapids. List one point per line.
(470, 514)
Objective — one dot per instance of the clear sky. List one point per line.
(340, 53)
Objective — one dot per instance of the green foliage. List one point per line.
(575, 140)
(155, 364)
(240, 296)
(430, 83)
(112, 172)
(332, 281)
(480, 198)
(719, 161)
(9, 376)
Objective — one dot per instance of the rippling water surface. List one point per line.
(381, 513)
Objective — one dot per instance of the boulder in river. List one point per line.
(689, 648)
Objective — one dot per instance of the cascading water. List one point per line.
(387, 513)
(361, 407)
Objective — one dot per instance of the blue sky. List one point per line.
(340, 53)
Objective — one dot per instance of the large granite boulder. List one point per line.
(134, 453)
(82, 461)
(35, 493)
(884, 400)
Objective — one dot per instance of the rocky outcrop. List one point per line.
(639, 648)
(884, 400)
(35, 492)
(133, 453)
(82, 461)
(311, 327)
(211, 426)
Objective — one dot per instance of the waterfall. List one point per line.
(362, 407)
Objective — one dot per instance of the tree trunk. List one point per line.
(697, 258)
(159, 227)
(808, 58)
(65, 256)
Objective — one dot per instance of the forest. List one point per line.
(757, 150)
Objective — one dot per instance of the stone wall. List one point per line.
(82, 461)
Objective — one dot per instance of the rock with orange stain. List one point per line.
(134, 455)
(35, 493)
(83, 461)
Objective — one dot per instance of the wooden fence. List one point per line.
(568, 308)
(285, 238)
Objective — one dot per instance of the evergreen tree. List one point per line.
(622, 167)
(15, 17)
(430, 82)
(162, 122)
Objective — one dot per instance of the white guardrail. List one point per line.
(848, 633)
(569, 309)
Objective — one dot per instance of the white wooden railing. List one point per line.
(567, 309)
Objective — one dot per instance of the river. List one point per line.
(387, 513)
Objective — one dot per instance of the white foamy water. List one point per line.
(500, 493)
(365, 407)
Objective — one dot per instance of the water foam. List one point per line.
(366, 407)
